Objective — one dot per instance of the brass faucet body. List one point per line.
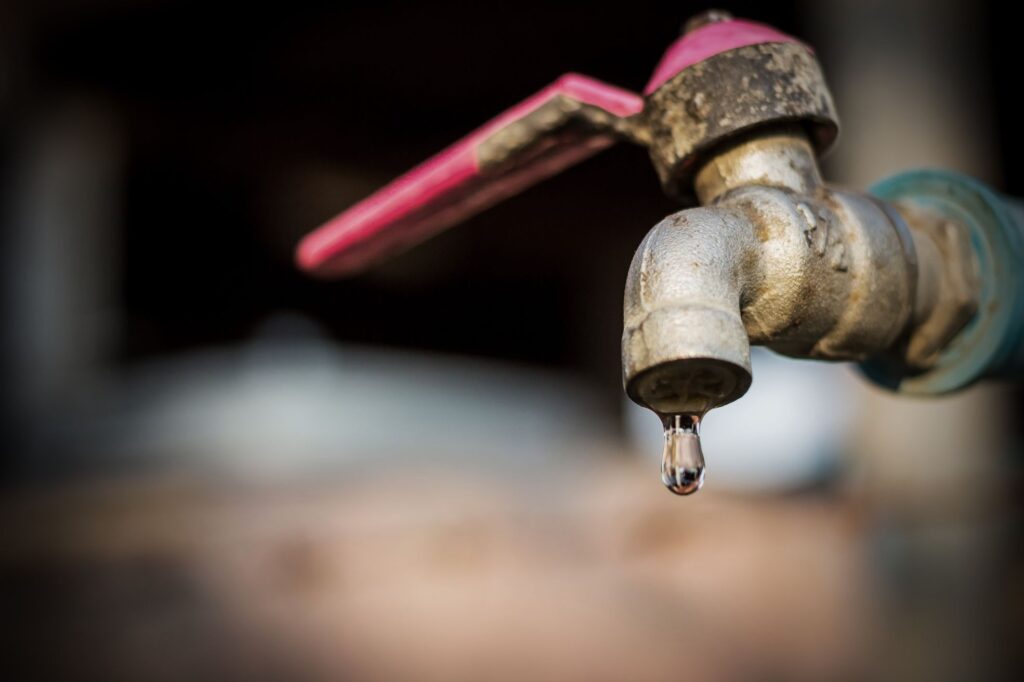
(776, 257)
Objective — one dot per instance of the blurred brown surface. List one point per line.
(610, 579)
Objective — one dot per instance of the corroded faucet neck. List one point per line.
(782, 159)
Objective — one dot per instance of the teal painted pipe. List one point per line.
(991, 345)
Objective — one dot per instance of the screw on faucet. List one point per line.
(711, 16)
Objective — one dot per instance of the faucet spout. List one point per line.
(684, 347)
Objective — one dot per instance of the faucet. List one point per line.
(920, 280)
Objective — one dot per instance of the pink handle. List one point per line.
(707, 41)
(454, 185)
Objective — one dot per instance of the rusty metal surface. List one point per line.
(778, 259)
(684, 345)
(772, 157)
(561, 121)
(949, 288)
(971, 326)
(731, 93)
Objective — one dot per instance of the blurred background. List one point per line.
(213, 467)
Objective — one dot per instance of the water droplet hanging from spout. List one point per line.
(682, 464)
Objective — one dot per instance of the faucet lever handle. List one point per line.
(563, 124)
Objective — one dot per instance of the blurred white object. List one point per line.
(292, 402)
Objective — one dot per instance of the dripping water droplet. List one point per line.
(682, 464)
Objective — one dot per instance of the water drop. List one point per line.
(682, 464)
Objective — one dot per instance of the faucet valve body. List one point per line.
(774, 257)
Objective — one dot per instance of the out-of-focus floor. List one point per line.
(433, 577)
